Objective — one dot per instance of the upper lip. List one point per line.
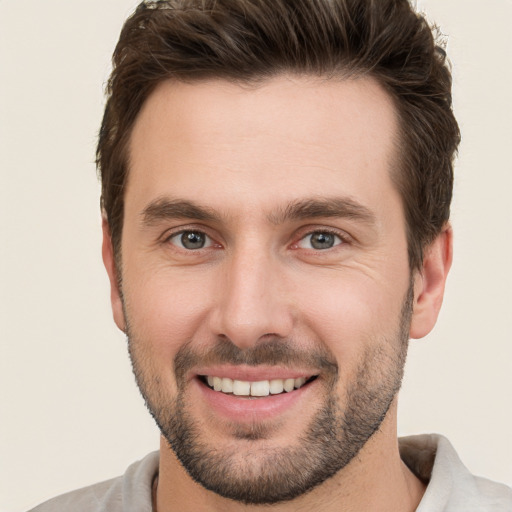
(254, 373)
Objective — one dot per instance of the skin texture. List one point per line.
(257, 170)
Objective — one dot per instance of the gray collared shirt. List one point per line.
(451, 487)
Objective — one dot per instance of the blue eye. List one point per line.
(320, 240)
(191, 240)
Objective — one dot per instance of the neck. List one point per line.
(376, 479)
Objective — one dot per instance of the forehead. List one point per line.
(226, 144)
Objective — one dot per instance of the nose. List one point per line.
(253, 302)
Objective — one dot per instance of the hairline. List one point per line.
(396, 164)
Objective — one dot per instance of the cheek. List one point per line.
(348, 313)
(166, 310)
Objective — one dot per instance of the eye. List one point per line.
(319, 240)
(191, 240)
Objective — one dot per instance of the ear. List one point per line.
(107, 252)
(429, 283)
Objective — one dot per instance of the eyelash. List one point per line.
(342, 237)
(174, 235)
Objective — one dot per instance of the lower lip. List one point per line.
(250, 409)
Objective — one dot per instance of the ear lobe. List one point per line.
(429, 284)
(107, 252)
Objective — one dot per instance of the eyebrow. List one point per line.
(334, 207)
(165, 208)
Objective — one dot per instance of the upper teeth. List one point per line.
(260, 388)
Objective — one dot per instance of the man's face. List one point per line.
(264, 242)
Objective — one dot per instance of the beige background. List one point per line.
(70, 413)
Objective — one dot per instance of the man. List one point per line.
(276, 183)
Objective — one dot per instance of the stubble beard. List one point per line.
(267, 475)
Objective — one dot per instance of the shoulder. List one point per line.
(451, 487)
(128, 493)
(98, 497)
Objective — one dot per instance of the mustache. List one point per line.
(271, 352)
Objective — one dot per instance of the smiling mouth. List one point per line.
(260, 388)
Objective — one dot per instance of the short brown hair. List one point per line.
(249, 41)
